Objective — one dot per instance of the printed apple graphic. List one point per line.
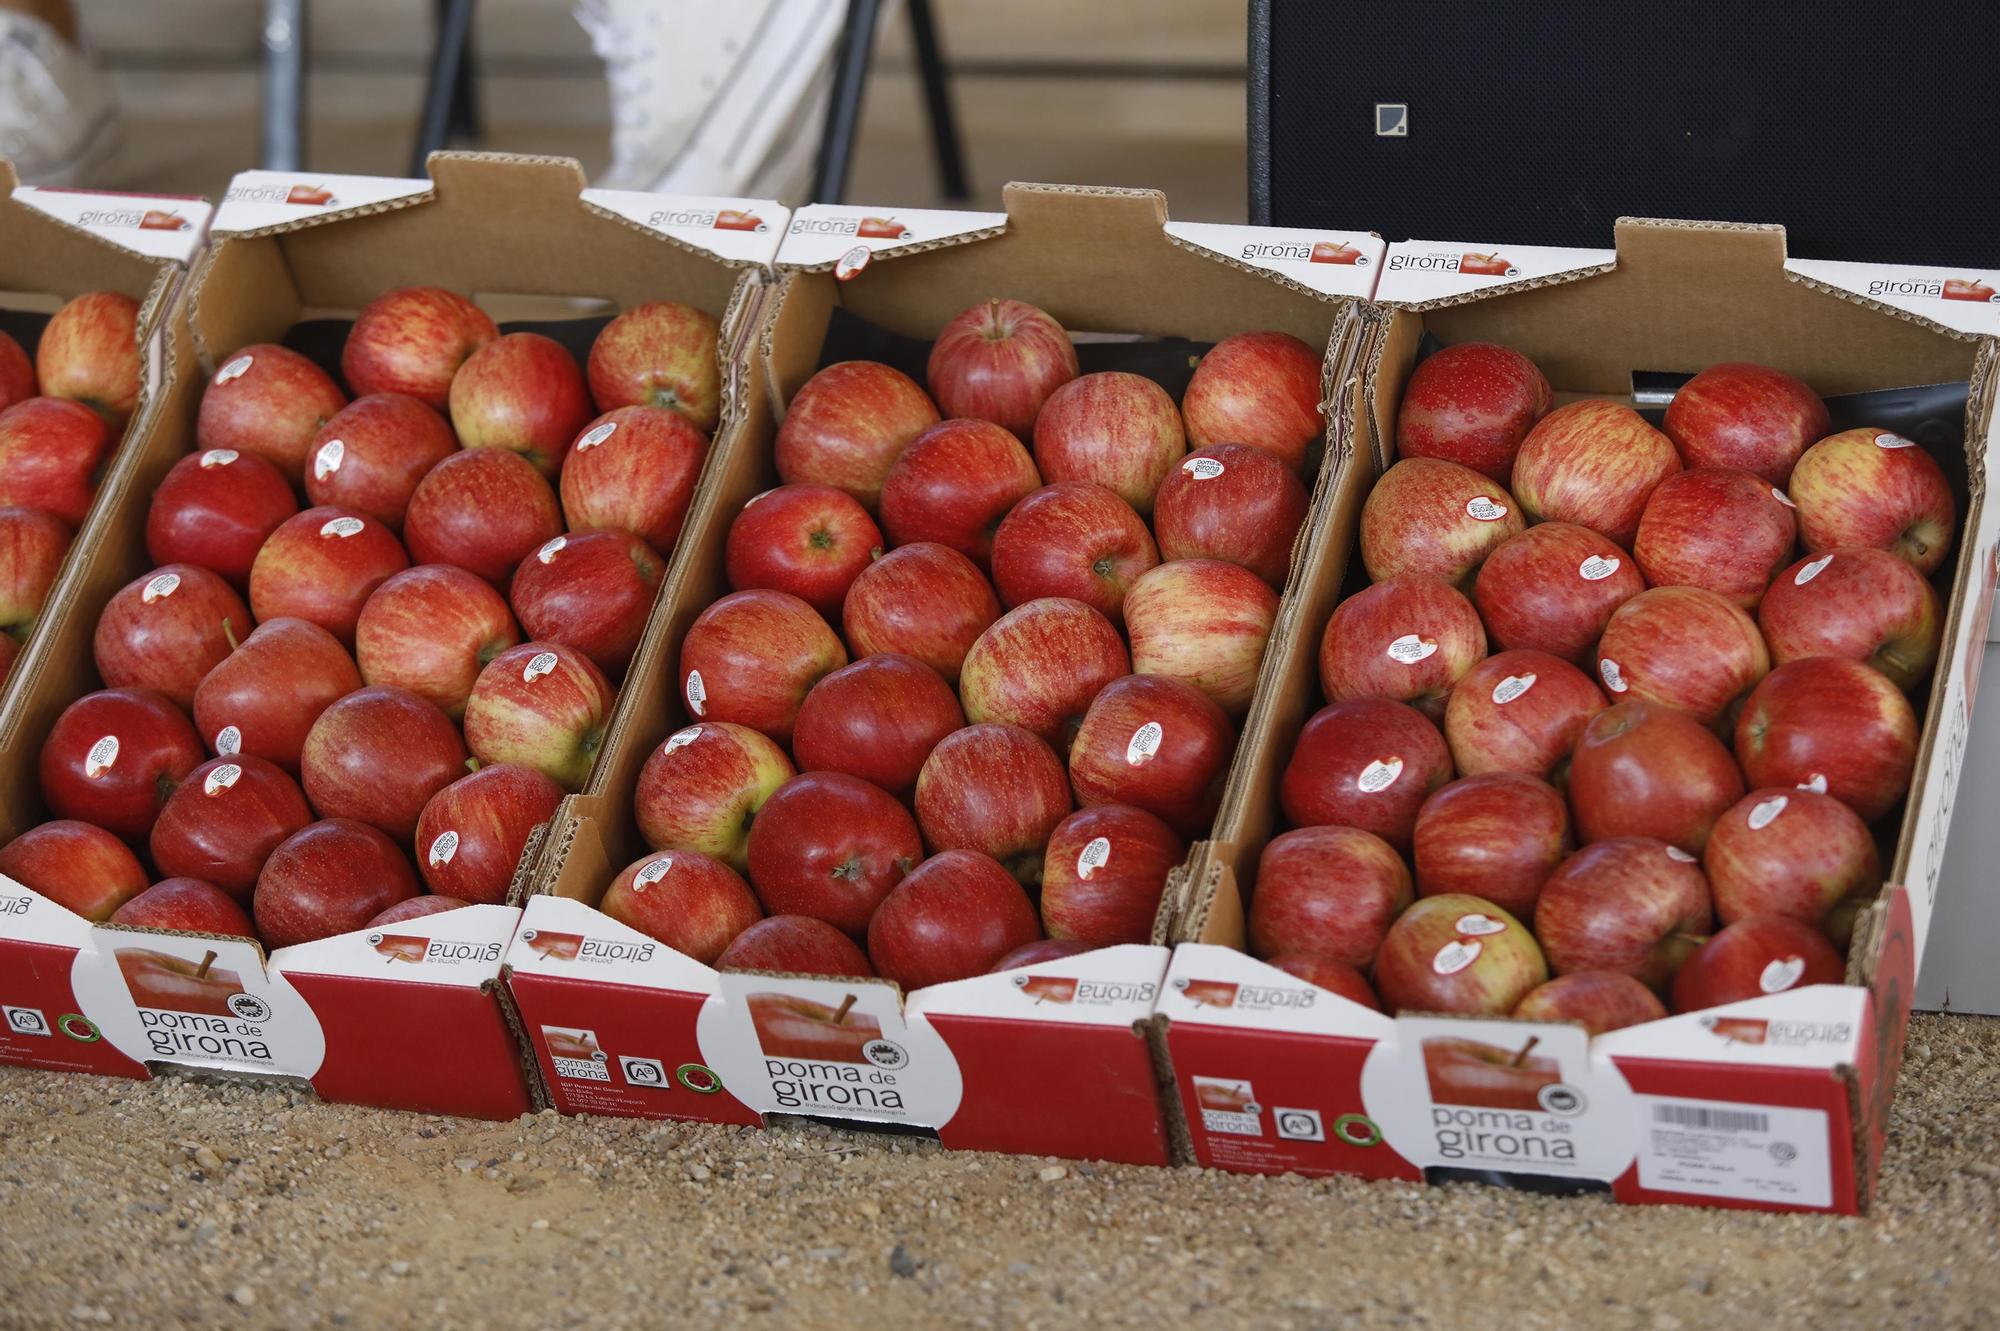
(954, 916)
(1103, 874)
(953, 485)
(1878, 490)
(1519, 712)
(186, 905)
(1831, 725)
(415, 908)
(166, 629)
(1112, 429)
(1598, 1001)
(1967, 288)
(879, 719)
(809, 540)
(521, 392)
(591, 590)
(633, 469)
(752, 657)
(113, 757)
(51, 452)
(431, 630)
(1205, 623)
(1683, 647)
(1749, 417)
(216, 509)
(1724, 530)
(160, 980)
(695, 905)
(1040, 953)
(1553, 588)
(1368, 763)
(1457, 954)
(1632, 905)
(1471, 403)
(1261, 389)
(925, 601)
(413, 340)
(995, 789)
(81, 868)
(1487, 1076)
(1156, 744)
(1644, 770)
(831, 846)
(791, 1026)
(1475, 264)
(542, 705)
(223, 821)
(1335, 976)
(1433, 519)
(1405, 639)
(1072, 539)
(372, 454)
(1795, 853)
(1040, 666)
(321, 566)
(795, 945)
(1593, 463)
(329, 878)
(270, 401)
(660, 354)
(999, 362)
(1861, 604)
(472, 833)
(847, 424)
(89, 353)
(704, 786)
(1327, 892)
(1498, 835)
(483, 510)
(1756, 956)
(1235, 503)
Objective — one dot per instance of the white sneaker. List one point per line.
(58, 120)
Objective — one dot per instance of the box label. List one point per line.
(1715, 1148)
(257, 199)
(1415, 271)
(159, 226)
(821, 234)
(1334, 263)
(1964, 299)
(736, 230)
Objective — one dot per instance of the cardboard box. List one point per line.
(411, 1017)
(1051, 1059)
(1777, 1103)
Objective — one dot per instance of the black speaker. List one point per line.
(1868, 130)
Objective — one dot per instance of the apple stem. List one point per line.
(840, 1013)
(1516, 1061)
(229, 633)
(207, 960)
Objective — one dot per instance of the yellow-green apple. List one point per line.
(1073, 539)
(1473, 404)
(1594, 463)
(1598, 1001)
(878, 719)
(796, 945)
(89, 353)
(1831, 725)
(166, 629)
(329, 878)
(484, 510)
(1203, 622)
(263, 698)
(1519, 712)
(1711, 527)
(1459, 954)
(1327, 892)
(831, 846)
(187, 905)
(271, 401)
(81, 868)
(1498, 835)
(1872, 488)
(113, 757)
(322, 565)
(999, 362)
(1157, 744)
(542, 705)
(1335, 976)
(1406, 639)
(1260, 389)
(471, 834)
(1040, 953)
(1117, 430)
(1553, 588)
(377, 756)
(809, 540)
(1862, 604)
(224, 820)
(753, 656)
(521, 392)
(995, 789)
(50, 453)
(1682, 647)
(371, 455)
(1632, 905)
(431, 629)
(954, 484)
(591, 590)
(1103, 873)
(1753, 957)
(1234, 503)
(660, 354)
(1793, 852)
(216, 509)
(847, 424)
(1641, 769)
(1040, 665)
(1368, 763)
(1435, 519)
(415, 908)
(703, 787)
(1746, 416)
(951, 918)
(32, 546)
(17, 373)
(634, 469)
(924, 600)
(412, 340)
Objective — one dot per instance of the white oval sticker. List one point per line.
(236, 369)
(1094, 856)
(159, 588)
(551, 549)
(1596, 568)
(1811, 571)
(443, 849)
(541, 664)
(218, 457)
(653, 872)
(1478, 925)
(1511, 688)
(680, 739)
(1614, 678)
(101, 756)
(1483, 509)
(1145, 742)
(1379, 775)
(1767, 812)
(1893, 441)
(342, 528)
(1202, 469)
(596, 435)
(1782, 497)
(1455, 956)
(697, 694)
(228, 741)
(1410, 649)
(221, 779)
(1781, 974)
(1815, 782)
(852, 262)
(1677, 854)
(327, 460)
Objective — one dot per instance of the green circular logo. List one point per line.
(78, 1027)
(1357, 1130)
(697, 1078)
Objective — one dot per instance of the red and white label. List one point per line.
(551, 549)
(680, 739)
(1484, 509)
(1203, 469)
(1456, 955)
(850, 264)
(342, 528)
(442, 849)
(160, 588)
(327, 461)
(101, 757)
(596, 435)
(236, 369)
(1780, 974)
(221, 779)
(1893, 441)
(1767, 812)
(1511, 688)
(1479, 925)
(1596, 568)
(1145, 742)
(1379, 775)
(1811, 571)
(228, 741)
(218, 457)
(1094, 856)
(1410, 649)
(1614, 678)
(696, 693)
(541, 664)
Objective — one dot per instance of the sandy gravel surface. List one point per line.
(134, 1204)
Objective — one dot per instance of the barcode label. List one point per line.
(1715, 1148)
(1711, 1120)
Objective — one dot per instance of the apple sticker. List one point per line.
(1676, 853)
(1093, 857)
(1767, 812)
(102, 754)
(850, 264)
(1202, 469)
(1816, 783)
(697, 694)
(542, 664)
(1596, 568)
(1511, 688)
(218, 457)
(1893, 441)
(1379, 775)
(1410, 649)
(1782, 497)
(442, 849)
(1811, 571)
(1781, 974)
(1483, 509)
(1478, 925)
(221, 779)
(1145, 742)
(596, 435)
(228, 740)
(1455, 956)
(236, 369)
(547, 554)
(652, 873)
(327, 460)
(342, 528)
(1614, 678)
(680, 739)
(160, 588)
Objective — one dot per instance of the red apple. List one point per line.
(471, 834)
(1473, 404)
(660, 354)
(1433, 519)
(1598, 1001)
(81, 868)
(1115, 430)
(1724, 530)
(1796, 853)
(954, 484)
(1682, 647)
(412, 340)
(17, 373)
(32, 546)
(1103, 873)
(1641, 769)
(796, 945)
(263, 698)
(1756, 956)
(1593, 463)
(1519, 712)
(215, 510)
(1260, 389)
(542, 705)
(1553, 588)
(113, 757)
(1830, 725)
(1040, 665)
(831, 846)
(847, 424)
(186, 905)
(521, 392)
(753, 656)
(702, 789)
(954, 916)
(484, 510)
(1872, 488)
(50, 455)
(1157, 744)
(330, 878)
(1040, 953)
(164, 630)
(432, 629)
(1072, 539)
(1745, 416)
(415, 908)
(1205, 623)
(999, 362)
(1498, 835)
(271, 401)
(1633, 905)
(1327, 892)
(1407, 639)
(925, 600)
(224, 820)
(322, 566)
(371, 455)
(89, 353)
(10, 651)
(634, 469)
(377, 756)
(1369, 763)
(1458, 954)
(1864, 605)
(1234, 503)
(1335, 976)
(809, 540)
(995, 789)
(592, 591)
(877, 719)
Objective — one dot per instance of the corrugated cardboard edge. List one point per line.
(306, 223)
(1501, 289)
(897, 251)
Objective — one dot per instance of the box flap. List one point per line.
(1425, 274)
(1329, 263)
(265, 201)
(1963, 300)
(823, 235)
(158, 226)
(737, 231)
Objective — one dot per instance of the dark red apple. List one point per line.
(330, 878)
(1724, 530)
(1433, 519)
(1498, 835)
(847, 424)
(703, 787)
(951, 918)
(1335, 976)
(50, 454)
(432, 629)
(225, 819)
(215, 509)
(1865, 605)
(1796, 853)
(412, 340)
(1598, 1001)
(166, 629)
(1878, 490)
(17, 373)
(634, 469)
(1632, 905)
(1157, 744)
(1072, 539)
(810, 540)
(377, 756)
(271, 401)
(1471, 403)
(999, 362)
(1519, 712)
(1260, 389)
(186, 905)
(753, 656)
(877, 719)
(1234, 503)
(371, 455)
(1593, 463)
(415, 908)
(1641, 769)
(81, 868)
(592, 591)
(1756, 956)
(796, 945)
(1682, 647)
(1040, 665)
(1407, 639)
(1040, 953)
(113, 757)
(264, 697)
(322, 566)
(1831, 725)
(1327, 892)
(471, 834)
(524, 393)
(484, 510)
(1457, 954)
(1750, 417)
(1115, 430)
(1103, 874)
(1553, 588)
(543, 705)
(954, 484)
(995, 789)
(660, 354)
(1369, 763)
(923, 600)
(831, 846)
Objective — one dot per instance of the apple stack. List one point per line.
(383, 634)
(965, 708)
(1611, 687)
(54, 447)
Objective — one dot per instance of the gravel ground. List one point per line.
(134, 1204)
